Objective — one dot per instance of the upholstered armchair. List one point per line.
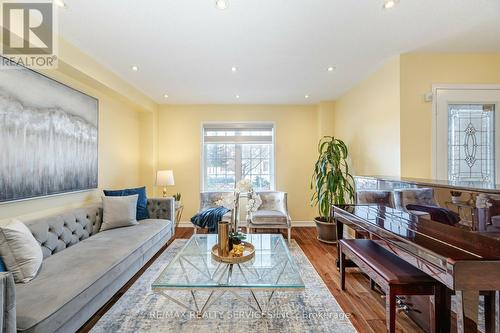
(272, 213)
(208, 200)
(414, 196)
(377, 197)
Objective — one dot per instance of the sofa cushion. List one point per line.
(70, 279)
(119, 211)
(142, 202)
(20, 251)
(268, 217)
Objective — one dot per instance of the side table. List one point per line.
(178, 214)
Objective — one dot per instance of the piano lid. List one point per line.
(479, 187)
(450, 242)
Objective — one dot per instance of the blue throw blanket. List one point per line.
(210, 218)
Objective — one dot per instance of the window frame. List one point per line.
(238, 125)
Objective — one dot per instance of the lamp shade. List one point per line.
(165, 178)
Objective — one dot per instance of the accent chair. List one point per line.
(272, 213)
(378, 197)
(415, 196)
(208, 200)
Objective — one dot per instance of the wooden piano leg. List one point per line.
(342, 270)
(491, 302)
(467, 306)
(441, 310)
(390, 311)
(340, 235)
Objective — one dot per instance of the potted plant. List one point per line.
(235, 238)
(332, 184)
(177, 198)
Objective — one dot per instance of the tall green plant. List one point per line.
(331, 180)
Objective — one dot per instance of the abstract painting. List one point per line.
(48, 136)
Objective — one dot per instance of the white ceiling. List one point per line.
(282, 48)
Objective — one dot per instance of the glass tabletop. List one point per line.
(272, 267)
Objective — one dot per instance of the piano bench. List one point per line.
(394, 276)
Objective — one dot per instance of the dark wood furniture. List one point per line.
(466, 262)
(395, 277)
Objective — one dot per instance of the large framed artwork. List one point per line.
(48, 136)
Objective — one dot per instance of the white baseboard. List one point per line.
(295, 224)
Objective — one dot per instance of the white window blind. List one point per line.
(235, 151)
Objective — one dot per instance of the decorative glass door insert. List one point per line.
(471, 142)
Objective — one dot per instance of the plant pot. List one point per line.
(327, 231)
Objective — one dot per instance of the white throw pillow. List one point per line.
(20, 251)
(119, 211)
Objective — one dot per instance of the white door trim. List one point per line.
(448, 86)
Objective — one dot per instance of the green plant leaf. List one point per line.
(331, 180)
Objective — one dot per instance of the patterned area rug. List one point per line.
(141, 310)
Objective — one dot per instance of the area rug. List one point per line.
(141, 310)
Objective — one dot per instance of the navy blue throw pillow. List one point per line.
(2, 266)
(142, 201)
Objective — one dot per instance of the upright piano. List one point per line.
(465, 261)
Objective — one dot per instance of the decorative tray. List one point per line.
(248, 253)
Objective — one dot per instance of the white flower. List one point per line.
(243, 186)
(227, 200)
(254, 202)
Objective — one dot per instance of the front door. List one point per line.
(466, 145)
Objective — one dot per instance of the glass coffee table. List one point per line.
(193, 270)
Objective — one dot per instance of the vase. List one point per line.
(223, 244)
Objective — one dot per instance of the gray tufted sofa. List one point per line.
(82, 267)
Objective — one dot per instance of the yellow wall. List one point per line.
(418, 73)
(326, 119)
(296, 139)
(367, 119)
(120, 163)
(149, 150)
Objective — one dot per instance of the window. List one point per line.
(471, 147)
(232, 152)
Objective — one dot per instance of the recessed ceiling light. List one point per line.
(135, 68)
(331, 69)
(165, 96)
(237, 96)
(60, 3)
(234, 69)
(306, 96)
(222, 4)
(388, 4)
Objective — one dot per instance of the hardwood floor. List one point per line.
(366, 307)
